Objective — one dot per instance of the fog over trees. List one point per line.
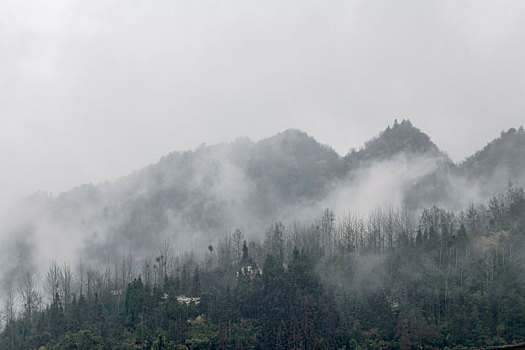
(281, 243)
(343, 174)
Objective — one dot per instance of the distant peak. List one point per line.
(293, 132)
(403, 136)
(297, 142)
(289, 135)
(405, 129)
(398, 138)
(503, 154)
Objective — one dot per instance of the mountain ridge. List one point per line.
(194, 196)
(416, 142)
(505, 151)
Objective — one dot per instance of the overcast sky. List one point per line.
(92, 90)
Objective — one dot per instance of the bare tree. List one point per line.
(327, 230)
(391, 225)
(81, 273)
(275, 240)
(375, 230)
(147, 273)
(126, 269)
(224, 252)
(162, 262)
(52, 280)
(29, 295)
(9, 305)
(66, 283)
(92, 277)
(105, 283)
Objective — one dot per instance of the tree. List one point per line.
(237, 239)
(327, 229)
(245, 259)
(160, 343)
(9, 304)
(29, 295)
(52, 280)
(56, 316)
(66, 283)
(275, 240)
(135, 301)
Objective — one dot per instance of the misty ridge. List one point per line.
(194, 198)
(242, 175)
(280, 243)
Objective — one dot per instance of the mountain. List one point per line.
(428, 169)
(194, 197)
(400, 138)
(381, 258)
(291, 167)
(500, 161)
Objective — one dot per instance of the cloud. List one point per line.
(92, 90)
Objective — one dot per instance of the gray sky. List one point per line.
(91, 90)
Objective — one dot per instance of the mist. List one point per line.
(194, 198)
(182, 140)
(91, 91)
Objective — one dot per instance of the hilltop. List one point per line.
(194, 197)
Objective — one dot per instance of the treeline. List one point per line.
(390, 280)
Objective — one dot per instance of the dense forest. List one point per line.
(183, 253)
(184, 175)
(393, 279)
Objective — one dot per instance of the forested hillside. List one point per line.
(390, 280)
(400, 138)
(230, 246)
(503, 157)
(190, 198)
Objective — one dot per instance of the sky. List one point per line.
(91, 90)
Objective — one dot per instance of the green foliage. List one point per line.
(447, 281)
(202, 334)
(160, 343)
